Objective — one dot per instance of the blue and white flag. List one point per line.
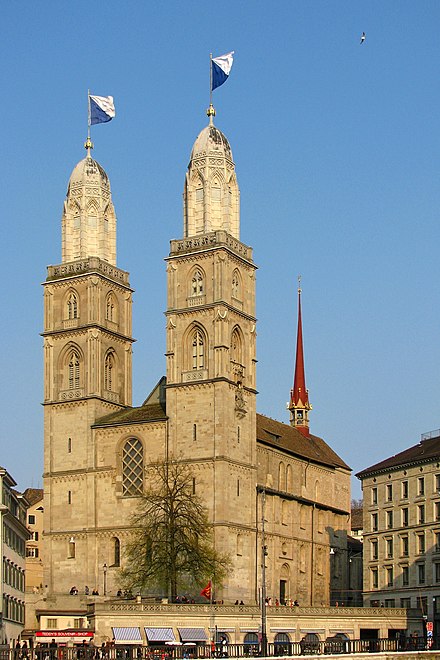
(221, 68)
(102, 109)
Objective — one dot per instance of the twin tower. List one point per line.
(97, 446)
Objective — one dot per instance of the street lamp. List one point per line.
(264, 554)
(104, 568)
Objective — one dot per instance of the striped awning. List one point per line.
(127, 635)
(192, 634)
(160, 634)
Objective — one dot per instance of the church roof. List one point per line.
(426, 451)
(145, 413)
(211, 141)
(287, 438)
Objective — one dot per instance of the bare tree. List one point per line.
(171, 548)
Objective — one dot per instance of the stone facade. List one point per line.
(98, 448)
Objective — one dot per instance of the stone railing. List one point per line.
(212, 239)
(86, 266)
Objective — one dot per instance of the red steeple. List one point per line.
(299, 397)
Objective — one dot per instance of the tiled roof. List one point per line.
(426, 451)
(145, 413)
(289, 439)
(33, 495)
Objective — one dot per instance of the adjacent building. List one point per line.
(13, 537)
(34, 545)
(402, 529)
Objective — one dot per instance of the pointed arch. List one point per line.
(71, 305)
(198, 349)
(289, 478)
(195, 348)
(237, 346)
(196, 283)
(281, 476)
(116, 551)
(71, 363)
(237, 285)
(109, 371)
(111, 308)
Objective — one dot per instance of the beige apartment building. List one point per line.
(402, 529)
(34, 545)
(203, 412)
(13, 538)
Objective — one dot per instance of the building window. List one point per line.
(405, 576)
(238, 487)
(193, 485)
(390, 576)
(421, 509)
(437, 572)
(374, 550)
(110, 308)
(71, 549)
(197, 284)
(405, 546)
(404, 490)
(132, 468)
(390, 602)
(421, 543)
(389, 515)
(236, 293)
(108, 371)
(437, 541)
(32, 552)
(374, 578)
(116, 552)
(34, 536)
(69, 445)
(72, 306)
(422, 604)
(405, 603)
(374, 522)
(437, 510)
(405, 517)
(437, 483)
(52, 624)
(74, 371)
(78, 623)
(389, 492)
(389, 548)
(69, 497)
(421, 486)
(421, 573)
(31, 519)
(198, 350)
(374, 495)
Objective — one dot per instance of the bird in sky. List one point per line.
(363, 37)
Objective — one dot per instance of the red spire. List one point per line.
(299, 396)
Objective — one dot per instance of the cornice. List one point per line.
(87, 326)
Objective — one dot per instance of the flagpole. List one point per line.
(210, 79)
(88, 115)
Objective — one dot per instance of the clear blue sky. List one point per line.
(337, 153)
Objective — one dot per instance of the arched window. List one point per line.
(281, 477)
(110, 308)
(236, 347)
(108, 372)
(132, 468)
(71, 548)
(74, 370)
(289, 478)
(239, 544)
(197, 283)
(198, 350)
(72, 306)
(251, 643)
(236, 285)
(116, 552)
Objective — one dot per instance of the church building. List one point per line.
(247, 467)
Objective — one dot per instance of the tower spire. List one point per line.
(299, 405)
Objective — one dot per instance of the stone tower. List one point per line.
(211, 354)
(87, 369)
